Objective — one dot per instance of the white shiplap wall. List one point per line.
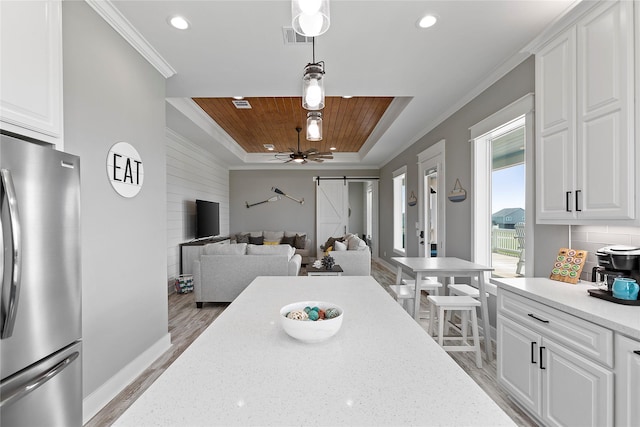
(192, 173)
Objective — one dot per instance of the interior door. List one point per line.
(332, 210)
(431, 237)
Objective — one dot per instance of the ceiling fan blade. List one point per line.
(311, 151)
(315, 159)
(319, 156)
(293, 150)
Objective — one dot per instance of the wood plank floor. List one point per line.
(186, 322)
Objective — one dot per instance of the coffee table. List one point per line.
(336, 270)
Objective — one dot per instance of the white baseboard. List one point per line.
(97, 400)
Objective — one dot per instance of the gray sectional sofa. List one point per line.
(299, 240)
(223, 271)
(351, 253)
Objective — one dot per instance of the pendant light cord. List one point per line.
(313, 49)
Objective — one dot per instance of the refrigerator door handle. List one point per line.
(27, 388)
(16, 268)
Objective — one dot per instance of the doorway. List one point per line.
(431, 212)
(347, 205)
(503, 190)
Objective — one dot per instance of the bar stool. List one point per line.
(460, 289)
(406, 290)
(464, 304)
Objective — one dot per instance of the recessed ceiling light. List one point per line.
(179, 22)
(332, 148)
(238, 97)
(347, 96)
(427, 21)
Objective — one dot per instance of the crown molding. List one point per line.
(570, 16)
(118, 22)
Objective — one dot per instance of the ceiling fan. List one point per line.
(302, 157)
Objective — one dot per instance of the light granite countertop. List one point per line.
(381, 368)
(575, 300)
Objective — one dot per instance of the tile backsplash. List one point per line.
(592, 237)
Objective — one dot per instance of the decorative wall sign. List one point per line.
(125, 169)
(458, 193)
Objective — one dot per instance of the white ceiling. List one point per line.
(372, 48)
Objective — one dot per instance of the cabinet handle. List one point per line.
(541, 348)
(577, 208)
(566, 201)
(537, 318)
(533, 352)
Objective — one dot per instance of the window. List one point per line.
(399, 210)
(503, 189)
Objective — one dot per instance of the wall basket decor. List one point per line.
(458, 193)
(413, 200)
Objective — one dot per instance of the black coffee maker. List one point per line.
(615, 261)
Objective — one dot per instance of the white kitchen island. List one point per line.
(381, 368)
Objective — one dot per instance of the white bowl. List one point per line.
(309, 330)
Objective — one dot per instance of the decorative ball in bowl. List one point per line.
(311, 321)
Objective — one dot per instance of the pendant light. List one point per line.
(313, 83)
(310, 18)
(314, 126)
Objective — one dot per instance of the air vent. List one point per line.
(291, 37)
(241, 104)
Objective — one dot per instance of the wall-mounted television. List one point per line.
(207, 219)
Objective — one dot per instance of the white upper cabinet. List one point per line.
(555, 123)
(31, 69)
(585, 148)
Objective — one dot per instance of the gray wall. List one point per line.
(112, 94)
(254, 186)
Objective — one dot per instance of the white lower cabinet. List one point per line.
(627, 371)
(546, 373)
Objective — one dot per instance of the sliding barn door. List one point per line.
(332, 211)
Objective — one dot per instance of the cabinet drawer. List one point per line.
(587, 338)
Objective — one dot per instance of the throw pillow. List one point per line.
(273, 236)
(266, 242)
(300, 241)
(288, 240)
(339, 246)
(242, 238)
(256, 240)
(355, 243)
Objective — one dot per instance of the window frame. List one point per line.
(399, 181)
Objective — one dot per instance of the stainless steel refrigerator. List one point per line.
(40, 310)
